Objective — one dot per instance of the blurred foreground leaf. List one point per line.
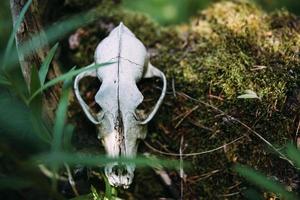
(15, 121)
(61, 115)
(262, 181)
(58, 158)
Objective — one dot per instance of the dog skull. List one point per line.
(119, 124)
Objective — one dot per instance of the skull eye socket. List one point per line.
(150, 89)
(88, 88)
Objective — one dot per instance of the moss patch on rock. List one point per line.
(230, 47)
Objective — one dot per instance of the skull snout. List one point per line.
(119, 174)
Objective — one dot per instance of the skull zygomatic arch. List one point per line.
(119, 125)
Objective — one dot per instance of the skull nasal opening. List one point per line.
(120, 170)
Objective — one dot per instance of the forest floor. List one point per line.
(225, 51)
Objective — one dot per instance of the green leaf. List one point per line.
(40, 129)
(45, 66)
(12, 35)
(66, 76)
(60, 118)
(61, 114)
(67, 137)
(249, 94)
(35, 84)
(262, 181)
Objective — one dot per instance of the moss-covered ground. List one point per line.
(230, 47)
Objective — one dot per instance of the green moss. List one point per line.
(228, 48)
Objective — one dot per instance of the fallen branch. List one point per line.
(48, 173)
(71, 180)
(193, 154)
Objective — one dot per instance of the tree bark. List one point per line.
(31, 25)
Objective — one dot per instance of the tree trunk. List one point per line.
(31, 25)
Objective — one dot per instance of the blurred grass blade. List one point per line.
(35, 83)
(12, 35)
(40, 129)
(294, 154)
(61, 115)
(17, 83)
(66, 76)
(67, 137)
(264, 182)
(59, 158)
(36, 107)
(45, 66)
(15, 124)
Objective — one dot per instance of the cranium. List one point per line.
(119, 124)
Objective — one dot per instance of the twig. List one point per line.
(230, 194)
(296, 135)
(163, 146)
(198, 124)
(173, 87)
(97, 174)
(207, 175)
(193, 154)
(50, 174)
(215, 97)
(298, 127)
(71, 180)
(181, 172)
(241, 123)
(186, 115)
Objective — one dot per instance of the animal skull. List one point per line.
(119, 124)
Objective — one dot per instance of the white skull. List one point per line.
(118, 123)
